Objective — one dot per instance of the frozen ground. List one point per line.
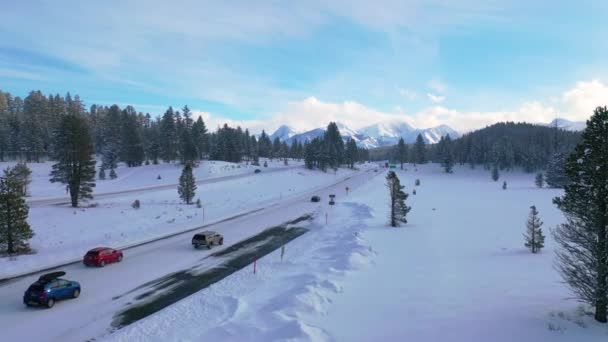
(457, 271)
(64, 234)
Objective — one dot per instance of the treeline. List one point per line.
(502, 146)
(28, 127)
(508, 145)
(330, 151)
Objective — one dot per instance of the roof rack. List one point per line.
(51, 276)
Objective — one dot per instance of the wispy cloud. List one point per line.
(435, 98)
(437, 86)
(407, 93)
(19, 74)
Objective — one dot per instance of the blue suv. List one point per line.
(50, 288)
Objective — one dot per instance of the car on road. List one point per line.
(102, 256)
(50, 288)
(257, 171)
(315, 198)
(207, 239)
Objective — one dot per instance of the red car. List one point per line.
(101, 256)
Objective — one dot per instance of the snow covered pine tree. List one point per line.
(583, 255)
(535, 240)
(14, 229)
(539, 180)
(187, 185)
(399, 209)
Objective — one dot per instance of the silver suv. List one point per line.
(207, 239)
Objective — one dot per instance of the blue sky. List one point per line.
(463, 63)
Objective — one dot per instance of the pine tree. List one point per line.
(419, 150)
(102, 173)
(200, 137)
(14, 229)
(398, 208)
(445, 154)
(535, 240)
(276, 148)
(583, 253)
(75, 164)
(168, 136)
(495, 173)
(32, 134)
(111, 138)
(187, 185)
(401, 152)
(334, 145)
(539, 180)
(504, 185)
(132, 146)
(23, 175)
(556, 175)
(113, 174)
(351, 153)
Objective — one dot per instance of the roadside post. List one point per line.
(255, 264)
(282, 252)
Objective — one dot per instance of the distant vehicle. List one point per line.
(101, 256)
(257, 171)
(207, 239)
(50, 288)
(332, 202)
(375, 170)
(315, 198)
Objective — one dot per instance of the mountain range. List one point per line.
(388, 133)
(376, 135)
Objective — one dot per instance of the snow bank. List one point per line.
(272, 304)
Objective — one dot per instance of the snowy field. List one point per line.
(458, 271)
(142, 177)
(64, 234)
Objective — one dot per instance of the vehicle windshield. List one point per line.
(92, 253)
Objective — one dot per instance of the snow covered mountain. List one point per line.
(377, 135)
(283, 133)
(306, 136)
(389, 133)
(433, 135)
(568, 125)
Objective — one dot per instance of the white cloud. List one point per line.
(579, 102)
(575, 104)
(213, 121)
(435, 98)
(437, 86)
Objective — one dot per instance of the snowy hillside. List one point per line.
(568, 125)
(377, 135)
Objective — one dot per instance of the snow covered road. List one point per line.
(91, 315)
